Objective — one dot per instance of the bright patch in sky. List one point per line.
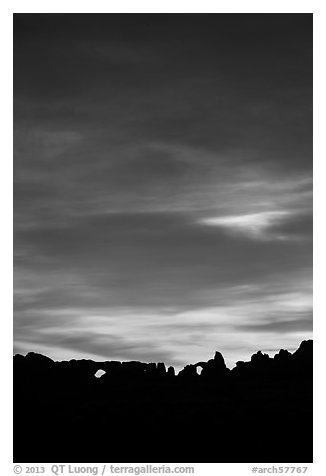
(255, 224)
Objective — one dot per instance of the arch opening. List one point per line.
(99, 373)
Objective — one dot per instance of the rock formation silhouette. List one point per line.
(259, 411)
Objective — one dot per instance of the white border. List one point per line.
(168, 6)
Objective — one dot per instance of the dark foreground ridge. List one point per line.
(260, 411)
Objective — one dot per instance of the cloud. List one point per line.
(299, 324)
(228, 318)
(254, 224)
(154, 258)
(274, 224)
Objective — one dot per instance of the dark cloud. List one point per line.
(158, 258)
(296, 227)
(290, 322)
(215, 81)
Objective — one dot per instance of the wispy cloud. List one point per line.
(254, 224)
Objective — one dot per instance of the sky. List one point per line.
(162, 185)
